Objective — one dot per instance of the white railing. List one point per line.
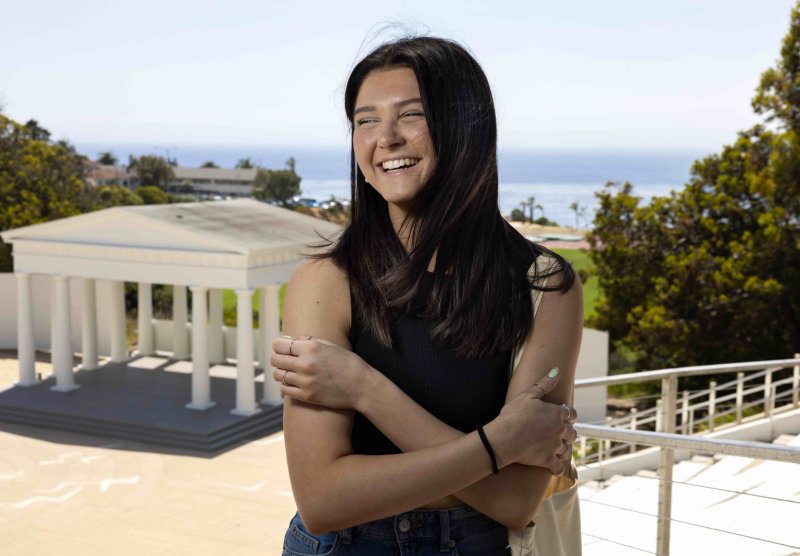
(716, 407)
(664, 415)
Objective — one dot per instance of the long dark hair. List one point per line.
(480, 298)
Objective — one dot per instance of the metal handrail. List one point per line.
(665, 437)
(757, 450)
(699, 370)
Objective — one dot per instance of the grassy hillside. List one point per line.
(578, 257)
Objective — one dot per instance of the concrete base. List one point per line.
(144, 401)
(245, 413)
(65, 388)
(200, 406)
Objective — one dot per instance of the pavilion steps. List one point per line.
(144, 405)
(268, 421)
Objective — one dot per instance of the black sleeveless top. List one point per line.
(462, 393)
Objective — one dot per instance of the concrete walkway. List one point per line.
(72, 494)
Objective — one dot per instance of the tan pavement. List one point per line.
(71, 494)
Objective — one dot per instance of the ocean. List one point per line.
(555, 178)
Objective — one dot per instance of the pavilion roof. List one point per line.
(241, 234)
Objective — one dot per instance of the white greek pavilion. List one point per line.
(241, 244)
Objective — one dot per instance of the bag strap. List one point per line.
(543, 265)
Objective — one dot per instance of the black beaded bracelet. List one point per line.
(489, 450)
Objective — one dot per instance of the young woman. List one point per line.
(405, 431)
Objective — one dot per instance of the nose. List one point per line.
(390, 136)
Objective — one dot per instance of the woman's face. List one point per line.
(390, 136)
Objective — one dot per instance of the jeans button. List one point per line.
(451, 543)
(404, 525)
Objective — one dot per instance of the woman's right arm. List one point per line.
(335, 488)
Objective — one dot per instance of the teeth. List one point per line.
(399, 163)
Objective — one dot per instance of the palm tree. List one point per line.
(524, 205)
(580, 212)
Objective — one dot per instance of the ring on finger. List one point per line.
(291, 345)
(284, 378)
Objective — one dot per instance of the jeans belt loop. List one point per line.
(444, 531)
(346, 535)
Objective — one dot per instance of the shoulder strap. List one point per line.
(542, 266)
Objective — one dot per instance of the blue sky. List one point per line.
(577, 74)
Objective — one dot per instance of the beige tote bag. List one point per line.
(557, 529)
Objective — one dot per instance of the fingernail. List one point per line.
(285, 337)
(553, 372)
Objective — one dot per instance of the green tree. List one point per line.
(106, 196)
(778, 94)
(245, 164)
(209, 164)
(152, 195)
(544, 221)
(37, 132)
(518, 216)
(712, 273)
(152, 170)
(39, 180)
(277, 185)
(107, 158)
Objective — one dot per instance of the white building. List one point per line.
(225, 182)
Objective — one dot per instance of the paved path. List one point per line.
(71, 494)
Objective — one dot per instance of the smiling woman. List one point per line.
(406, 431)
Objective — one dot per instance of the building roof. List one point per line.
(221, 174)
(235, 243)
(97, 172)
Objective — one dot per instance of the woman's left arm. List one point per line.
(510, 497)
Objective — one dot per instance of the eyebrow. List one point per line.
(398, 104)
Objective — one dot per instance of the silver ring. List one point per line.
(563, 456)
(284, 378)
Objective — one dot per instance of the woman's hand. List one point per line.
(319, 372)
(540, 433)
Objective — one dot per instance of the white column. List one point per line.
(201, 385)
(216, 347)
(271, 305)
(119, 347)
(263, 349)
(52, 315)
(89, 336)
(62, 343)
(245, 375)
(145, 319)
(180, 335)
(26, 349)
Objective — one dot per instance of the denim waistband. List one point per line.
(442, 525)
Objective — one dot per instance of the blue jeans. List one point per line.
(459, 531)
